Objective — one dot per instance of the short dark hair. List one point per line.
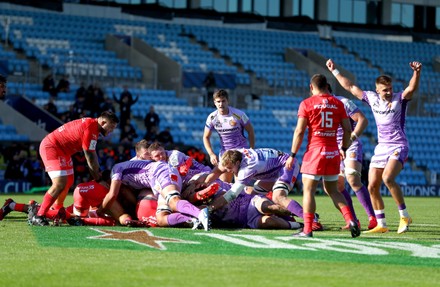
(110, 116)
(319, 81)
(221, 94)
(384, 80)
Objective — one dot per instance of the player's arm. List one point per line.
(346, 141)
(111, 196)
(414, 82)
(227, 197)
(215, 174)
(344, 81)
(93, 163)
(208, 147)
(297, 140)
(270, 208)
(361, 124)
(251, 134)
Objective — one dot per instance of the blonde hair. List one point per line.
(231, 156)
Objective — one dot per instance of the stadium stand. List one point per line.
(75, 44)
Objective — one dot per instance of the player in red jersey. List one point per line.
(321, 114)
(56, 151)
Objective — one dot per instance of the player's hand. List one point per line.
(416, 66)
(342, 153)
(213, 159)
(330, 65)
(289, 163)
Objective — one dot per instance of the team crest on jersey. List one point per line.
(325, 101)
(92, 145)
(63, 162)
(232, 123)
(352, 155)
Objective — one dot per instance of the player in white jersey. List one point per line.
(264, 165)
(141, 148)
(389, 110)
(351, 166)
(164, 181)
(189, 169)
(230, 124)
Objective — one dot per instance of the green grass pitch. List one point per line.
(120, 256)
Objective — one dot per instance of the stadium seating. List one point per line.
(55, 39)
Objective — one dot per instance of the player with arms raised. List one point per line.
(391, 152)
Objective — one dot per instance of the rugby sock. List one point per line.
(56, 206)
(294, 225)
(348, 216)
(48, 200)
(364, 198)
(99, 221)
(69, 209)
(347, 197)
(402, 210)
(308, 220)
(295, 208)
(18, 206)
(185, 207)
(53, 213)
(380, 216)
(177, 218)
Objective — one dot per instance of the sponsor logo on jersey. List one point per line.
(92, 145)
(325, 106)
(238, 117)
(86, 188)
(325, 134)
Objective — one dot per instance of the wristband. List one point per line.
(354, 135)
(344, 149)
(293, 155)
(335, 72)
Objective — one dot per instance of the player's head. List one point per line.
(141, 148)
(231, 160)
(384, 86)
(3, 82)
(107, 121)
(157, 152)
(318, 84)
(221, 100)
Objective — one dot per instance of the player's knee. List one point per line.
(162, 214)
(172, 197)
(259, 190)
(280, 191)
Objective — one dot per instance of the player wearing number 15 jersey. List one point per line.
(322, 114)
